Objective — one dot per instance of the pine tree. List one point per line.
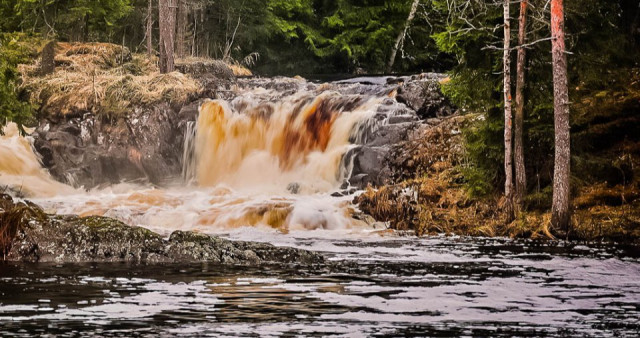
(167, 23)
(508, 148)
(560, 213)
(149, 28)
(518, 142)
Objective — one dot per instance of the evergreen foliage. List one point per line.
(15, 48)
(598, 40)
(78, 20)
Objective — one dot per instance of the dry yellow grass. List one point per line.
(240, 70)
(432, 200)
(103, 78)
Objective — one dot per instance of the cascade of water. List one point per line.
(269, 157)
(188, 154)
(298, 140)
(21, 169)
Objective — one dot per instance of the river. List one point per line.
(270, 167)
(372, 286)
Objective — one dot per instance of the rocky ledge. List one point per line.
(28, 234)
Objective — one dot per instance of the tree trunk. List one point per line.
(181, 28)
(167, 23)
(85, 34)
(508, 156)
(401, 35)
(47, 60)
(149, 30)
(195, 34)
(518, 143)
(560, 214)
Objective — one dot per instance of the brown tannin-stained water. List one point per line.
(253, 161)
(263, 167)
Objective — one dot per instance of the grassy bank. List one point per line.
(108, 79)
(430, 193)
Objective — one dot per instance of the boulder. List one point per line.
(369, 163)
(144, 145)
(424, 96)
(28, 234)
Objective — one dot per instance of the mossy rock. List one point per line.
(33, 236)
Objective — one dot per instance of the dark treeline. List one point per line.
(313, 36)
(286, 37)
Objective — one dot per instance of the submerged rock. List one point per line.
(28, 234)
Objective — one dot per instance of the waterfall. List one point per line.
(21, 169)
(272, 156)
(188, 154)
(299, 140)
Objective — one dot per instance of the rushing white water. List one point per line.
(253, 161)
(20, 168)
(267, 146)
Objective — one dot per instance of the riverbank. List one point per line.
(429, 194)
(107, 117)
(29, 234)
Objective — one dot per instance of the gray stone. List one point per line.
(424, 96)
(38, 237)
(293, 187)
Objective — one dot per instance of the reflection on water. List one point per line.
(371, 287)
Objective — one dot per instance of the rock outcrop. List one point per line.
(422, 94)
(90, 151)
(28, 234)
(146, 144)
(418, 102)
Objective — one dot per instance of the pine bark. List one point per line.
(401, 35)
(167, 23)
(518, 142)
(508, 155)
(149, 28)
(560, 213)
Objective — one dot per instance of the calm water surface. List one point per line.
(370, 287)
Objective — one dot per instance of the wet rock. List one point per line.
(144, 145)
(370, 163)
(424, 96)
(293, 188)
(210, 68)
(35, 236)
(344, 192)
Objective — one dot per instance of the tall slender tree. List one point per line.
(508, 153)
(167, 23)
(149, 28)
(181, 29)
(518, 143)
(560, 213)
(402, 35)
